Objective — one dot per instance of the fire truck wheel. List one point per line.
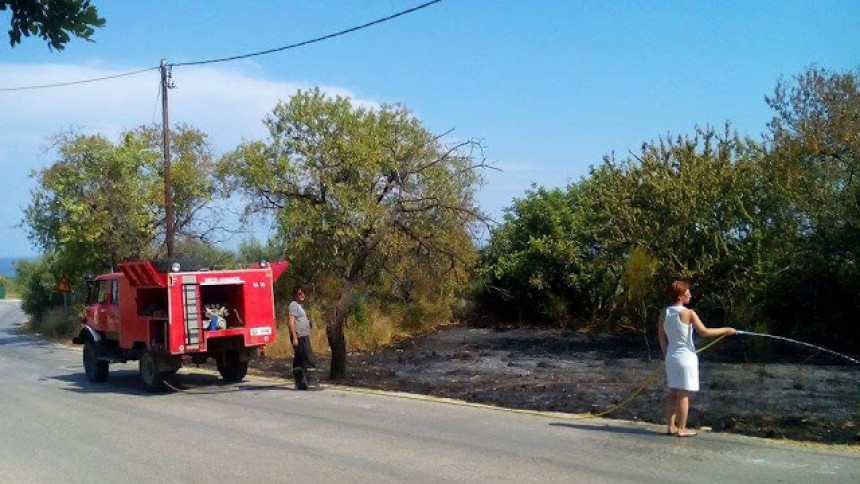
(152, 378)
(96, 370)
(232, 369)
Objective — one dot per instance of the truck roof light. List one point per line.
(175, 267)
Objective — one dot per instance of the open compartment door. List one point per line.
(143, 274)
(278, 267)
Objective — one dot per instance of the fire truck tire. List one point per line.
(152, 378)
(232, 368)
(96, 370)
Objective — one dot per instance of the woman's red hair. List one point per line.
(677, 289)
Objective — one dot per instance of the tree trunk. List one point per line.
(334, 331)
(334, 327)
(337, 343)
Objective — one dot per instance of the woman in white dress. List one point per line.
(675, 327)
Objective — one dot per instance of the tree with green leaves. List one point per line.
(704, 207)
(52, 20)
(356, 189)
(769, 231)
(815, 139)
(696, 206)
(539, 253)
(101, 202)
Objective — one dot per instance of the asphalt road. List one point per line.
(55, 426)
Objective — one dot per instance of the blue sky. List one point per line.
(549, 86)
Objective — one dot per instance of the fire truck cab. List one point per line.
(165, 317)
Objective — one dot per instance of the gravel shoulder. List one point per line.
(811, 399)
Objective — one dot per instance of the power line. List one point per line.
(72, 83)
(311, 41)
(236, 57)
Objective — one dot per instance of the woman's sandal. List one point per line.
(671, 434)
(688, 433)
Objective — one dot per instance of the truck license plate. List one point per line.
(264, 331)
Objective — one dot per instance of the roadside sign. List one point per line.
(63, 285)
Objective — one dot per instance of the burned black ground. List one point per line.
(798, 395)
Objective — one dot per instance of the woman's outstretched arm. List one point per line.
(709, 332)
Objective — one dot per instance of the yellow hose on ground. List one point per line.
(646, 384)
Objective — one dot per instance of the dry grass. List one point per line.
(282, 348)
(377, 332)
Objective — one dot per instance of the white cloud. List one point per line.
(225, 102)
(228, 103)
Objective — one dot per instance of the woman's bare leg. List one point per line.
(671, 410)
(683, 411)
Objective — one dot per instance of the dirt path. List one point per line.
(570, 372)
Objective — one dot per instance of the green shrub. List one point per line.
(57, 323)
(37, 285)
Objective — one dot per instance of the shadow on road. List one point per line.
(18, 337)
(120, 382)
(128, 382)
(16, 340)
(612, 430)
(20, 340)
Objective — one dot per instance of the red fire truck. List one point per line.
(164, 317)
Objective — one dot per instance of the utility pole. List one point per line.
(167, 83)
